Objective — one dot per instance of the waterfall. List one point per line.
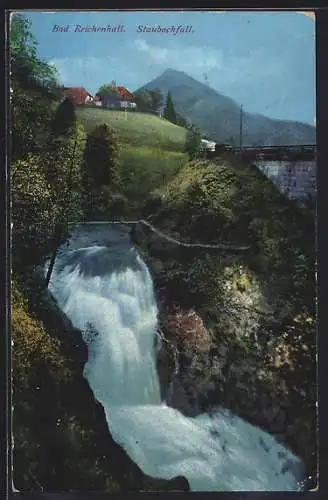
(106, 291)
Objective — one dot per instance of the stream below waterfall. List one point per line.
(103, 286)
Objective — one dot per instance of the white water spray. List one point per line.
(107, 293)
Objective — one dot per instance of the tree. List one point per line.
(34, 213)
(46, 195)
(193, 141)
(64, 119)
(157, 99)
(62, 163)
(169, 112)
(100, 168)
(40, 195)
(143, 100)
(62, 168)
(107, 88)
(26, 66)
(34, 86)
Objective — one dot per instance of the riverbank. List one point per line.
(55, 412)
(243, 322)
(107, 292)
(244, 339)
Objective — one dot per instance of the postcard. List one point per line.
(163, 297)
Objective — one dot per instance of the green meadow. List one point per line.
(136, 129)
(151, 148)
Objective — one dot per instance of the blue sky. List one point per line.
(263, 60)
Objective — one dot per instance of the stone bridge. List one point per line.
(291, 168)
(297, 179)
(290, 154)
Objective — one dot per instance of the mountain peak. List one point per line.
(219, 116)
(173, 72)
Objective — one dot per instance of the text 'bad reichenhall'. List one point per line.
(120, 28)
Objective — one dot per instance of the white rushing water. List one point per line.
(106, 290)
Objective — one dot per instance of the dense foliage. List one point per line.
(100, 170)
(36, 172)
(143, 100)
(107, 88)
(193, 141)
(258, 305)
(33, 212)
(46, 188)
(157, 99)
(61, 436)
(34, 89)
(149, 100)
(64, 119)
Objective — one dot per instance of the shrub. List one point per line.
(34, 212)
(101, 159)
(100, 169)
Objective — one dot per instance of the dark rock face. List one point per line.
(165, 368)
(75, 400)
(178, 483)
(185, 365)
(244, 368)
(210, 375)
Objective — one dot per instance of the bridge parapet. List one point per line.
(278, 153)
(295, 179)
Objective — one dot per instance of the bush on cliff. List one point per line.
(229, 201)
(100, 168)
(33, 213)
(61, 439)
(249, 301)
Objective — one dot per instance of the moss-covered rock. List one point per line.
(61, 437)
(243, 322)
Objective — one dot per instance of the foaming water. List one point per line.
(107, 293)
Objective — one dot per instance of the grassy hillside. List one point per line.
(138, 129)
(151, 149)
(145, 169)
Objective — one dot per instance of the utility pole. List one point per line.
(241, 128)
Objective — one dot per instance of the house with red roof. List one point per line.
(120, 98)
(97, 100)
(125, 94)
(78, 95)
(127, 100)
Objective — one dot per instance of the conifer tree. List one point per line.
(100, 169)
(169, 112)
(65, 118)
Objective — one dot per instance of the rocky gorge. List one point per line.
(241, 356)
(233, 332)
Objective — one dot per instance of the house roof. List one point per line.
(125, 94)
(77, 93)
